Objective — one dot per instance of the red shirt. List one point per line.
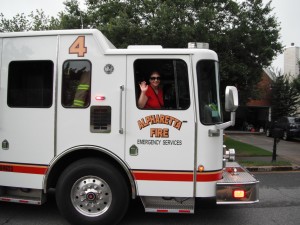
(155, 101)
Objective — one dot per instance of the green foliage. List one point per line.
(245, 35)
(285, 97)
(34, 21)
(261, 157)
(243, 149)
(250, 46)
(296, 81)
(265, 162)
(72, 17)
(18, 23)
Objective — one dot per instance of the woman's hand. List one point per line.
(143, 86)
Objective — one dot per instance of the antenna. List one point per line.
(81, 20)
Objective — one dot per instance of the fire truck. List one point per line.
(69, 121)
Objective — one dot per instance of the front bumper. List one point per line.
(236, 178)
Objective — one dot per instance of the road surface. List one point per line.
(279, 204)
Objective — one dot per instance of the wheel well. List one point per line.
(73, 156)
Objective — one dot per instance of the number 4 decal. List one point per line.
(78, 47)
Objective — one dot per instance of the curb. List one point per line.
(242, 132)
(272, 168)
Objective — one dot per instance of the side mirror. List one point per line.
(231, 104)
(231, 99)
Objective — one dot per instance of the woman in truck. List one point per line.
(151, 96)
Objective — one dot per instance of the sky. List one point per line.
(285, 10)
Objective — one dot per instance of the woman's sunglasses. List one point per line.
(154, 78)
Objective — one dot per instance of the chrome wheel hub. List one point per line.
(91, 196)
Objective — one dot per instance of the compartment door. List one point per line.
(27, 109)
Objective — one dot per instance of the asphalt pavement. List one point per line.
(286, 150)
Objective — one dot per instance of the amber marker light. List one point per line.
(200, 168)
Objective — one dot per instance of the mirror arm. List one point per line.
(231, 104)
(223, 126)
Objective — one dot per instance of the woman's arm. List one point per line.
(143, 97)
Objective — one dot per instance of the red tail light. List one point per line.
(238, 193)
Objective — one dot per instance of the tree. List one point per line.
(250, 45)
(245, 35)
(72, 17)
(296, 81)
(17, 23)
(285, 97)
(34, 21)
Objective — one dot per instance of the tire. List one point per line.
(285, 136)
(92, 191)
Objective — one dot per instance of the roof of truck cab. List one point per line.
(49, 33)
(106, 44)
(109, 48)
(165, 51)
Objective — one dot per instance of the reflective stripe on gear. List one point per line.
(84, 87)
(78, 103)
(81, 98)
(213, 106)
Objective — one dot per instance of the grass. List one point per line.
(247, 150)
(243, 149)
(264, 163)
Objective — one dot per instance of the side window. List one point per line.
(171, 76)
(30, 84)
(208, 92)
(76, 84)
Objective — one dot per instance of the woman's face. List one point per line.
(154, 79)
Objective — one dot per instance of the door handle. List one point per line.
(121, 130)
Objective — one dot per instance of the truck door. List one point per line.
(89, 89)
(160, 143)
(27, 109)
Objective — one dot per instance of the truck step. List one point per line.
(20, 200)
(238, 186)
(168, 204)
(22, 195)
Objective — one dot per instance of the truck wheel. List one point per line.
(92, 191)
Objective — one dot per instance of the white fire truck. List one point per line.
(69, 121)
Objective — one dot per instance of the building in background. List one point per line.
(255, 114)
(291, 60)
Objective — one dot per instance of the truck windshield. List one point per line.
(208, 92)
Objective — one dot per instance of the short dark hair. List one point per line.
(153, 72)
